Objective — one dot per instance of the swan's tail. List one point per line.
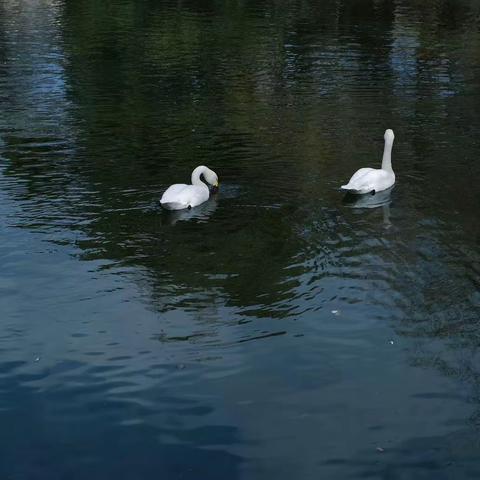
(173, 205)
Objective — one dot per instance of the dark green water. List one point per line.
(278, 331)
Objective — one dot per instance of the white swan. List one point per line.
(371, 180)
(180, 195)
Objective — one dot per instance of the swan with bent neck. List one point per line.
(371, 180)
(180, 195)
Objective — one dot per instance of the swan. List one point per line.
(180, 195)
(371, 180)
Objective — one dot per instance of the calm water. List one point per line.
(279, 331)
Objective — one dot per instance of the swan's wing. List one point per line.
(181, 196)
(172, 192)
(360, 174)
(171, 196)
(366, 180)
(197, 194)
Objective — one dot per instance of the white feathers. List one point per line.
(368, 180)
(180, 196)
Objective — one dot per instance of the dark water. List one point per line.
(278, 331)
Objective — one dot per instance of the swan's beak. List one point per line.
(215, 187)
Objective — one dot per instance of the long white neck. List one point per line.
(387, 155)
(196, 180)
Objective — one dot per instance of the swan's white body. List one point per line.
(368, 180)
(180, 195)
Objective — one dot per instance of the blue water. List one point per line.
(280, 330)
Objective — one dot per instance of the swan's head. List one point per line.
(389, 136)
(211, 177)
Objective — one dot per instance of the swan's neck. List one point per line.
(387, 156)
(196, 176)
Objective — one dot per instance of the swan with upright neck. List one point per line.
(371, 180)
(180, 195)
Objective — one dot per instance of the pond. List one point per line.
(279, 330)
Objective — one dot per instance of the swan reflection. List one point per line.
(368, 200)
(379, 199)
(201, 213)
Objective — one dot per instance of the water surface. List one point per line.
(280, 330)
